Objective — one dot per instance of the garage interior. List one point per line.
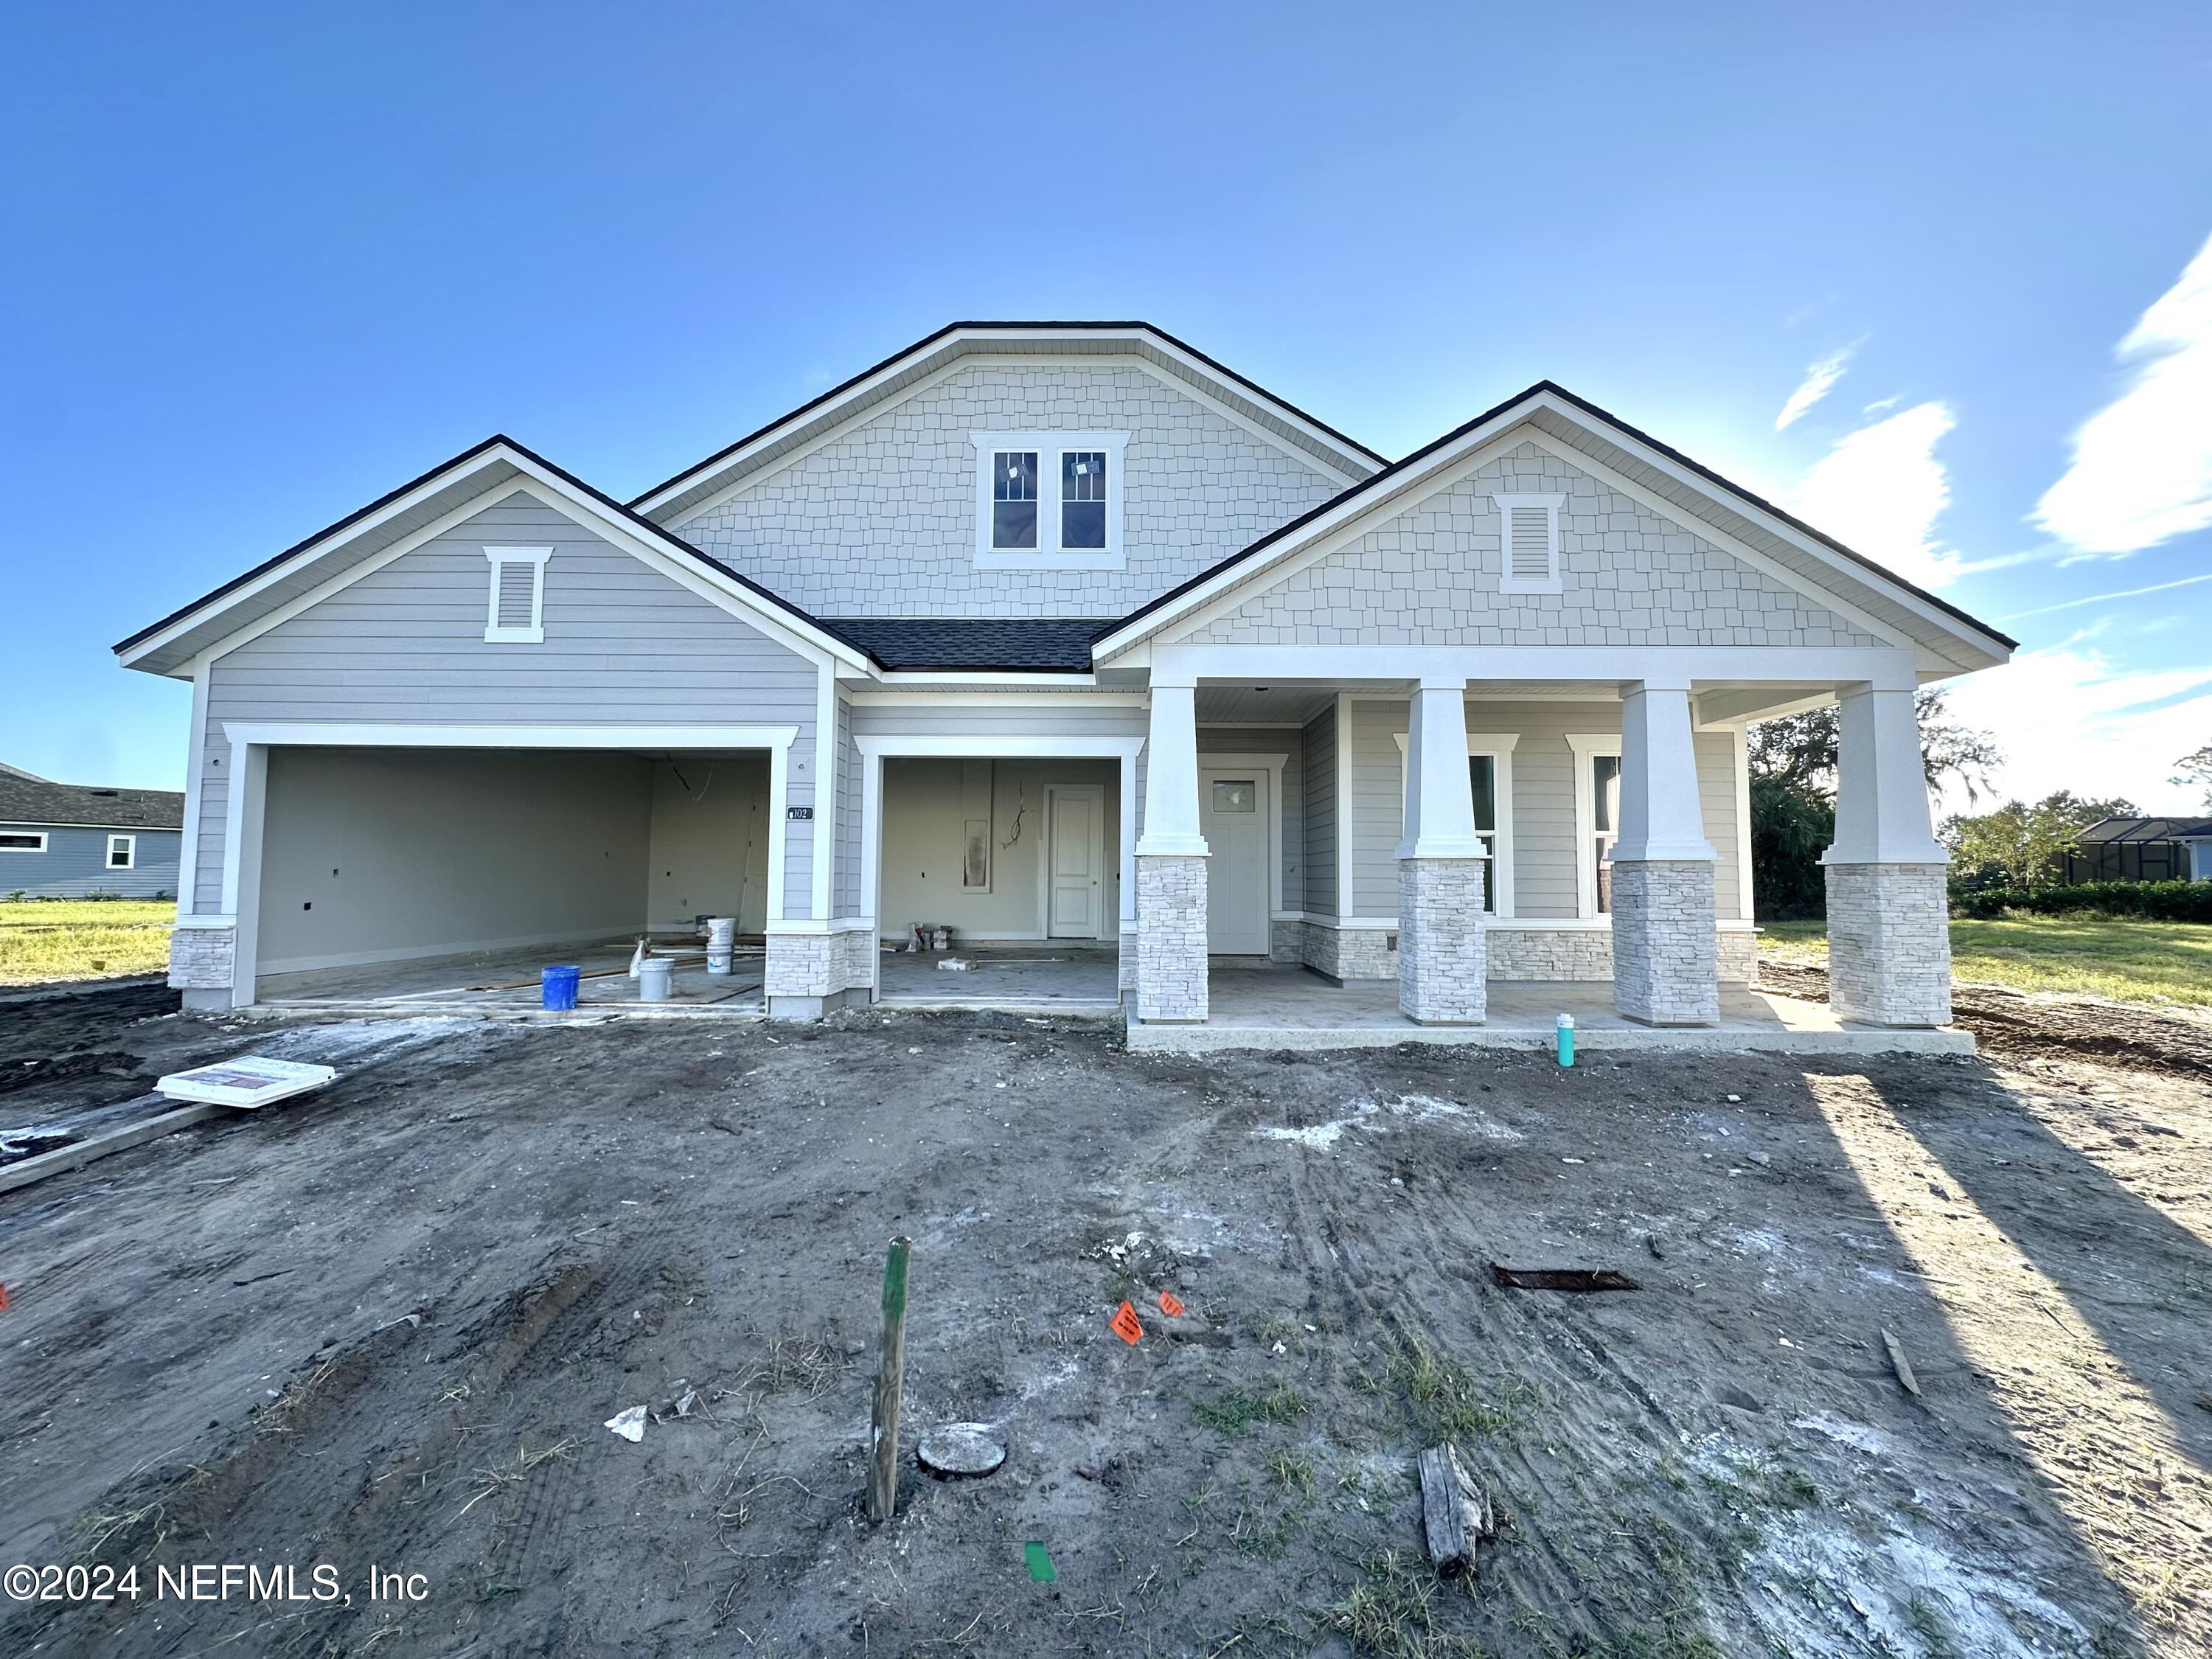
(1018, 860)
(403, 875)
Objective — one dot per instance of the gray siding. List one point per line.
(882, 521)
(75, 864)
(1543, 802)
(623, 645)
(847, 899)
(1290, 742)
(1320, 744)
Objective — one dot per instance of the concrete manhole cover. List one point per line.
(960, 1448)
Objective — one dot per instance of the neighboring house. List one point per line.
(2142, 849)
(1063, 630)
(72, 840)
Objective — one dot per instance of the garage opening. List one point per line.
(454, 875)
(1014, 865)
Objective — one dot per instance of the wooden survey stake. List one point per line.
(1455, 1511)
(891, 1373)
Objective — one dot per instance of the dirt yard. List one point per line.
(382, 1329)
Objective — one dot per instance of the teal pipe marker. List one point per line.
(1566, 1039)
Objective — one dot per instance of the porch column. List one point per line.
(1171, 865)
(1889, 934)
(1666, 970)
(1442, 957)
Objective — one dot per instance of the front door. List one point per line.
(1076, 860)
(1232, 816)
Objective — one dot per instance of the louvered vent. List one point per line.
(517, 593)
(1529, 544)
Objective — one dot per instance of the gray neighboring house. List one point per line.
(73, 840)
(1066, 632)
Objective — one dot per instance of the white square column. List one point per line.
(1666, 969)
(1171, 857)
(1442, 957)
(1889, 931)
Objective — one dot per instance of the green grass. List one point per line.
(2126, 961)
(1236, 1410)
(52, 940)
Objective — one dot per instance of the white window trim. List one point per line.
(1588, 746)
(40, 847)
(129, 845)
(1048, 554)
(535, 634)
(1498, 745)
(1507, 583)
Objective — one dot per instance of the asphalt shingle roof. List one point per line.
(33, 800)
(1030, 645)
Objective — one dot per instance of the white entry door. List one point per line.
(1232, 815)
(1075, 894)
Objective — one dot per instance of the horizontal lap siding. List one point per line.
(1288, 742)
(1319, 739)
(625, 645)
(1373, 786)
(847, 899)
(1715, 752)
(74, 863)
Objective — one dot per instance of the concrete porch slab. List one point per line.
(1290, 1008)
(1057, 976)
(504, 985)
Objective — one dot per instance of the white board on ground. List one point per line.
(250, 1080)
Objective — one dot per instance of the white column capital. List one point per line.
(1881, 783)
(1661, 816)
(1439, 799)
(1171, 776)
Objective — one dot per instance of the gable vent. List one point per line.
(1529, 537)
(516, 612)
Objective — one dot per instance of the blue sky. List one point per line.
(264, 263)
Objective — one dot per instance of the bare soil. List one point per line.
(383, 1326)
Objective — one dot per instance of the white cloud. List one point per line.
(2067, 718)
(1818, 380)
(1879, 491)
(2143, 464)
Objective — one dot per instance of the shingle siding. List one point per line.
(881, 522)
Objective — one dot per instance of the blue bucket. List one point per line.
(558, 986)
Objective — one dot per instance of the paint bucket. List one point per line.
(557, 988)
(721, 943)
(1566, 1039)
(655, 975)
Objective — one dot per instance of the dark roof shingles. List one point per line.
(33, 800)
(1027, 645)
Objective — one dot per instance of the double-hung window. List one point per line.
(1049, 501)
(1490, 782)
(122, 852)
(1597, 820)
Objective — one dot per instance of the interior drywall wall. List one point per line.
(925, 804)
(710, 820)
(380, 854)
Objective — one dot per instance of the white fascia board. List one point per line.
(1884, 668)
(952, 697)
(414, 735)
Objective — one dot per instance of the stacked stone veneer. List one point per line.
(1350, 953)
(811, 973)
(1665, 956)
(1286, 942)
(1441, 961)
(204, 958)
(1126, 968)
(1170, 939)
(1627, 577)
(1585, 954)
(1889, 944)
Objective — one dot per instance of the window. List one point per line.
(22, 840)
(1236, 795)
(515, 610)
(1049, 501)
(1529, 544)
(1489, 781)
(123, 852)
(1597, 820)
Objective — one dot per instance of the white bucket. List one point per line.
(721, 943)
(655, 975)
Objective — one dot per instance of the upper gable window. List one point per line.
(514, 611)
(1049, 501)
(1528, 543)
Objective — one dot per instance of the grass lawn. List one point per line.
(2092, 956)
(47, 940)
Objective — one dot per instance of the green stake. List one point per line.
(1042, 1570)
(890, 1374)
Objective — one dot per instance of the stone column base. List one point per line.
(1442, 942)
(1170, 939)
(204, 965)
(1666, 965)
(807, 975)
(1889, 944)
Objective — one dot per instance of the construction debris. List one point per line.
(1455, 1513)
(1561, 1278)
(960, 1448)
(1900, 1363)
(250, 1081)
(629, 1424)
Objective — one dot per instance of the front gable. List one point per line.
(1432, 572)
(880, 518)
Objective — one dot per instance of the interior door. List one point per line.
(1077, 861)
(1232, 816)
